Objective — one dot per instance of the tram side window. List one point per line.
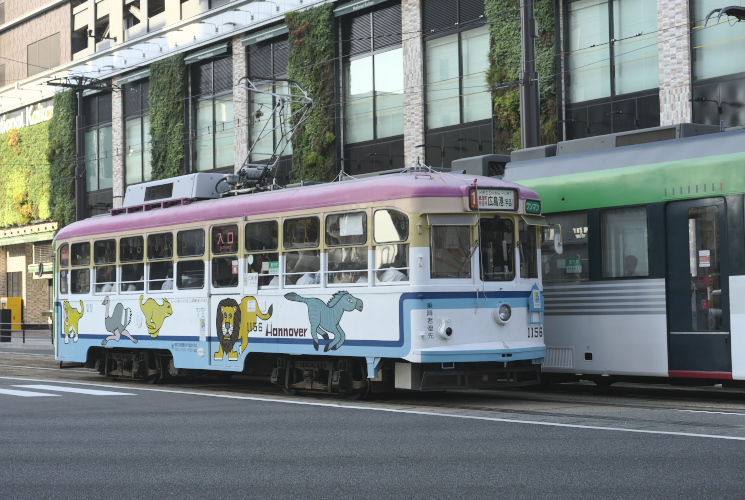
(497, 246)
(190, 244)
(623, 233)
(303, 265)
(390, 231)
(104, 260)
(80, 279)
(160, 265)
(346, 234)
(64, 273)
(225, 258)
(131, 254)
(262, 244)
(573, 264)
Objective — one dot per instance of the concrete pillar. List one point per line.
(674, 42)
(117, 142)
(413, 45)
(240, 103)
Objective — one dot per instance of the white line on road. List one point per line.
(25, 394)
(50, 369)
(78, 390)
(713, 412)
(411, 412)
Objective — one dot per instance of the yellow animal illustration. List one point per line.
(249, 312)
(228, 322)
(72, 317)
(155, 314)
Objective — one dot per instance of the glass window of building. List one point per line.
(212, 124)
(713, 46)
(456, 61)
(611, 48)
(99, 159)
(373, 75)
(137, 159)
(269, 58)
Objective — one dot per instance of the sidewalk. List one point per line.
(36, 343)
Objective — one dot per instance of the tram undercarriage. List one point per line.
(334, 375)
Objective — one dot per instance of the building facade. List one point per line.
(399, 82)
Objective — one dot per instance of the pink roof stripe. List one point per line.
(387, 187)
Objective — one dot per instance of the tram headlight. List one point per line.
(502, 314)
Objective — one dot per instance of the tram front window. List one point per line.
(497, 243)
(528, 253)
(451, 252)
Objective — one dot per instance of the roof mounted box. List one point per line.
(193, 186)
(486, 165)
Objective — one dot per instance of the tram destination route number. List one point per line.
(535, 331)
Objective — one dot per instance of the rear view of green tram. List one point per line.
(652, 280)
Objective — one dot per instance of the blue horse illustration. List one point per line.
(324, 318)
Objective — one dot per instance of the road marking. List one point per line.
(25, 394)
(77, 390)
(714, 412)
(50, 369)
(411, 412)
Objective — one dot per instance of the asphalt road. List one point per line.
(201, 439)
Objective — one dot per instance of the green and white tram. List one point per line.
(651, 283)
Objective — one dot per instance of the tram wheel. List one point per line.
(359, 379)
(289, 392)
(603, 381)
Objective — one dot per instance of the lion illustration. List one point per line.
(72, 317)
(227, 325)
(155, 314)
(249, 312)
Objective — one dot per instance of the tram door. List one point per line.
(698, 288)
(225, 294)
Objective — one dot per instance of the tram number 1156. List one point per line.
(535, 331)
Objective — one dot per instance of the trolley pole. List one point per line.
(80, 187)
(530, 111)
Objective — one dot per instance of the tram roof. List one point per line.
(387, 187)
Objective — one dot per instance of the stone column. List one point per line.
(117, 143)
(674, 42)
(411, 14)
(240, 103)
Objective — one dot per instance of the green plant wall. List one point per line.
(505, 66)
(60, 154)
(311, 64)
(166, 95)
(24, 175)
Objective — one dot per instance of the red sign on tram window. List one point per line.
(225, 239)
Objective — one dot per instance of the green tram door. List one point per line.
(699, 343)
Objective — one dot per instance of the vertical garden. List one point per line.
(505, 64)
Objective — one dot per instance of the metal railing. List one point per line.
(26, 333)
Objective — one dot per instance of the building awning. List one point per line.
(266, 34)
(134, 76)
(350, 7)
(206, 53)
(28, 234)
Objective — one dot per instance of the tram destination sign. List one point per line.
(492, 199)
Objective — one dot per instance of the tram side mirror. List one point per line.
(558, 240)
